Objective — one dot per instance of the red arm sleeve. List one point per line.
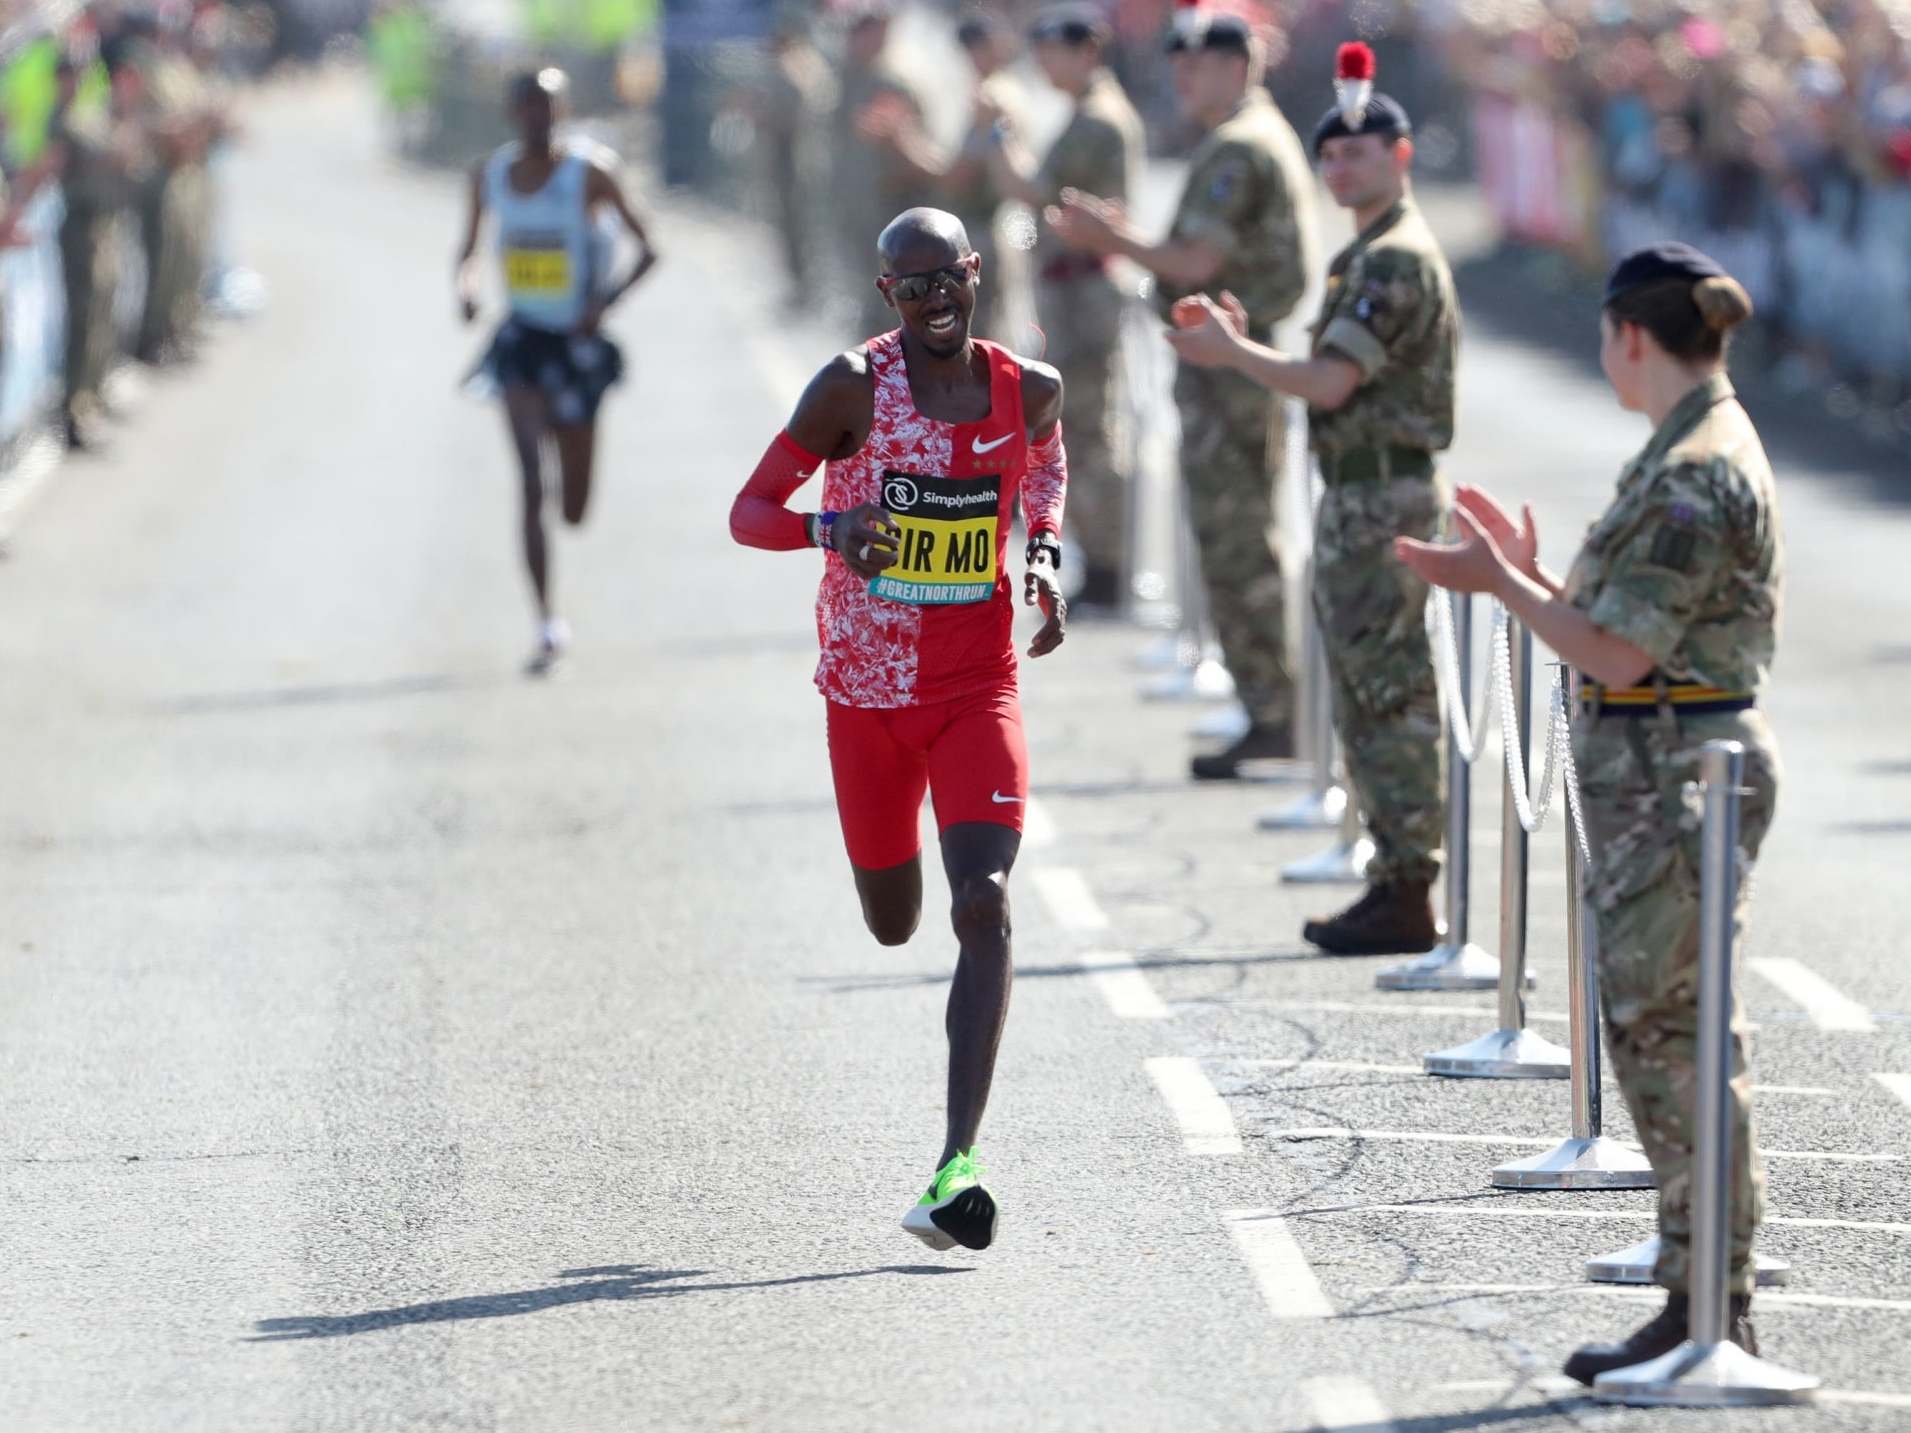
(1045, 487)
(759, 517)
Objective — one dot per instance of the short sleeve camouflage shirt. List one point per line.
(1250, 193)
(1391, 309)
(1687, 563)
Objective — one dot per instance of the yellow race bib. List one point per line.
(537, 273)
(947, 551)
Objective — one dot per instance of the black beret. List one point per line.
(1076, 24)
(1661, 263)
(1385, 115)
(1228, 33)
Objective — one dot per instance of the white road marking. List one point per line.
(1510, 1208)
(38, 463)
(1377, 1007)
(1899, 1085)
(1038, 827)
(1358, 1067)
(1068, 898)
(1435, 1137)
(1650, 1294)
(1287, 1284)
(1353, 1067)
(1347, 1403)
(1827, 1007)
(1123, 985)
(1206, 1125)
(1559, 1383)
(1819, 1091)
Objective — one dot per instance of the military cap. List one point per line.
(1204, 30)
(1358, 109)
(1073, 24)
(1661, 263)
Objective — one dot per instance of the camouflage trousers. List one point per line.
(1082, 320)
(1644, 891)
(1229, 428)
(1372, 614)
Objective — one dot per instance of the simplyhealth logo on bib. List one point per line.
(947, 550)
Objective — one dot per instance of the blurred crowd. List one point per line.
(115, 120)
(1715, 109)
(1777, 132)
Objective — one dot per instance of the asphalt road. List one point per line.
(390, 1042)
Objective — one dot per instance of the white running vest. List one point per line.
(544, 239)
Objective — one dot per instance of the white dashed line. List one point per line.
(1279, 1267)
(1038, 828)
(1068, 898)
(1646, 1293)
(1828, 1009)
(1504, 1208)
(1123, 985)
(1376, 1007)
(1206, 1125)
(1389, 1136)
(1899, 1085)
(1347, 1403)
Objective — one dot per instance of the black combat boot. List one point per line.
(1391, 919)
(1668, 1329)
(1263, 741)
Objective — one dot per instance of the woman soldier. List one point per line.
(1670, 615)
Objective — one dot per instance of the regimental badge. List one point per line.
(1673, 548)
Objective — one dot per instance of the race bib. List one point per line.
(540, 273)
(947, 550)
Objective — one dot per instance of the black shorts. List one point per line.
(572, 372)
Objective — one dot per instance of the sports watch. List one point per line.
(1042, 542)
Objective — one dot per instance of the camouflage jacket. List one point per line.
(1687, 563)
(1391, 310)
(1251, 194)
(869, 179)
(1098, 153)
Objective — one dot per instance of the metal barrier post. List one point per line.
(1342, 864)
(1588, 1160)
(1708, 1370)
(1456, 963)
(1324, 806)
(1511, 1052)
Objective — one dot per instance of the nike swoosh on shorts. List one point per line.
(1000, 800)
(982, 447)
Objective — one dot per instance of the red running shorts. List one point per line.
(968, 754)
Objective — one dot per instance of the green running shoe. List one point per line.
(956, 1210)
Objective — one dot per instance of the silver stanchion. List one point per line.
(1708, 1369)
(1511, 1052)
(1588, 1160)
(1324, 805)
(1342, 864)
(1635, 1263)
(1456, 963)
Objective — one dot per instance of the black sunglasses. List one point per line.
(913, 288)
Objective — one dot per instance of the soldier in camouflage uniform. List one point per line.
(1244, 224)
(1671, 611)
(1077, 302)
(797, 93)
(872, 182)
(1380, 387)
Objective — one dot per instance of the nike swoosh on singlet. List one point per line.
(982, 447)
(1000, 800)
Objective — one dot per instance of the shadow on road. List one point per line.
(612, 1282)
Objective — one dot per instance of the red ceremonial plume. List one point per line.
(1354, 83)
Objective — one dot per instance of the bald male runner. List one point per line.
(930, 437)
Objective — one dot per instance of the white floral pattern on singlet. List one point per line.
(871, 647)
